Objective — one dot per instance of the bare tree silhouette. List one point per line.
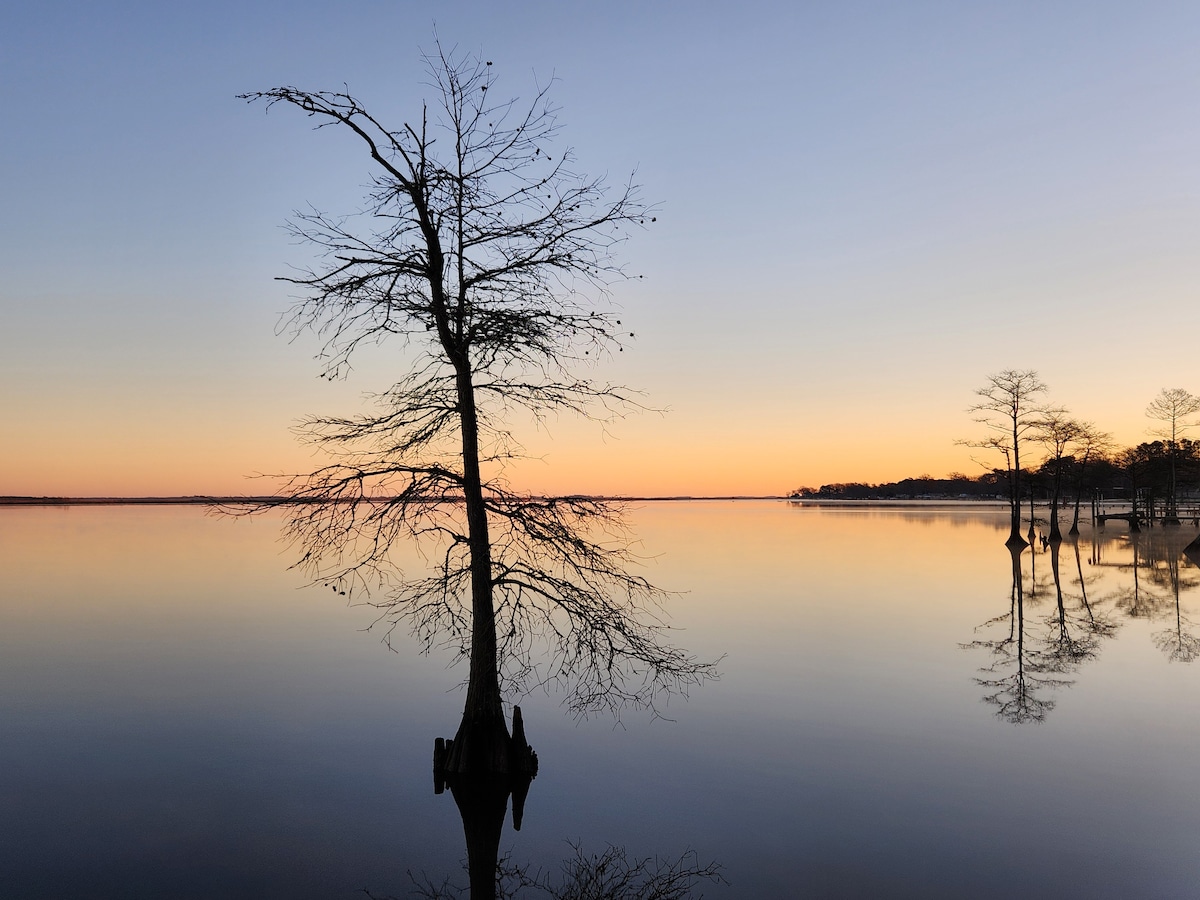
(1174, 407)
(1093, 444)
(1009, 410)
(487, 256)
(1060, 435)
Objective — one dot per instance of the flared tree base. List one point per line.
(483, 766)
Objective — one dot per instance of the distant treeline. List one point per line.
(1144, 469)
(989, 486)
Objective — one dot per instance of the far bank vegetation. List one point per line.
(1063, 460)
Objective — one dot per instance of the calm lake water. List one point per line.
(896, 718)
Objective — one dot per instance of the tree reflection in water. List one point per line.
(1075, 632)
(1097, 620)
(1136, 600)
(610, 875)
(1177, 643)
(1026, 662)
(482, 800)
(1165, 562)
(1016, 676)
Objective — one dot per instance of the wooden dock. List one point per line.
(1135, 520)
(1132, 519)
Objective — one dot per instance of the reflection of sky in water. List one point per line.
(179, 719)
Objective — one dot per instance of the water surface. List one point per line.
(182, 717)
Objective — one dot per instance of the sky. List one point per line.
(864, 209)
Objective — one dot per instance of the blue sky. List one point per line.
(865, 209)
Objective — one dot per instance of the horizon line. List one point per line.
(218, 500)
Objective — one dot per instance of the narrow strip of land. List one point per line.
(203, 500)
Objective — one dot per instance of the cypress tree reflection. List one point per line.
(1141, 575)
(482, 801)
(1075, 634)
(1139, 601)
(1096, 621)
(609, 875)
(1016, 677)
(1177, 642)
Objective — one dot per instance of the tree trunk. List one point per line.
(482, 799)
(1014, 536)
(1171, 516)
(482, 742)
(1079, 494)
(1055, 533)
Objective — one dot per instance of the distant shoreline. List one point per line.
(267, 501)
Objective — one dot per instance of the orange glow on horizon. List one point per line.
(648, 455)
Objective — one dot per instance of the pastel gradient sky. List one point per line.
(865, 209)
